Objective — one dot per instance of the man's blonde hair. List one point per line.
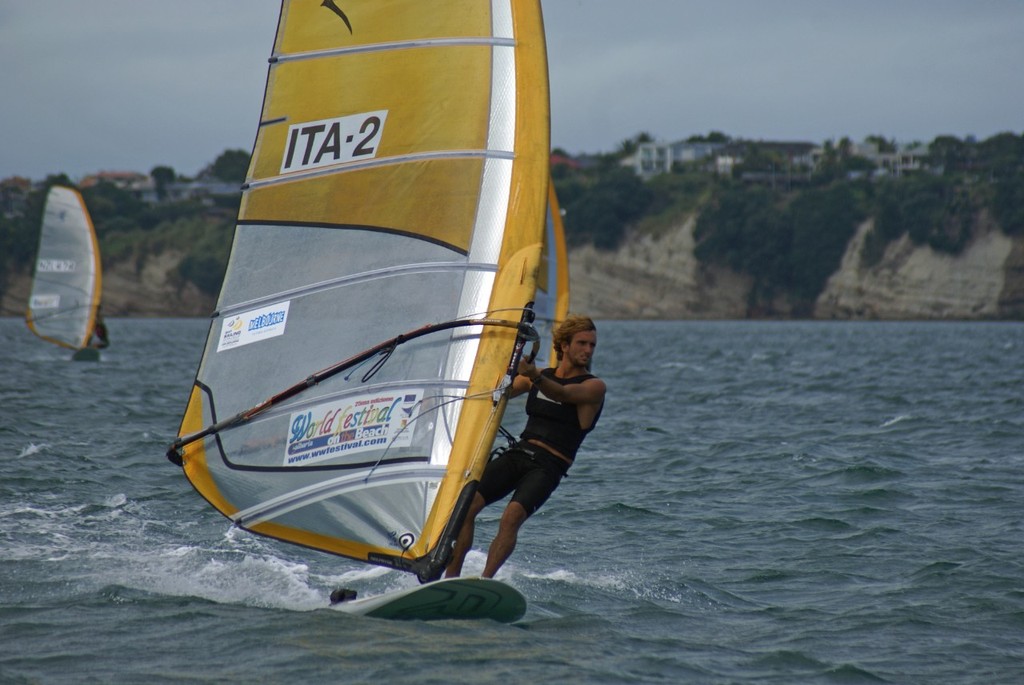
(572, 325)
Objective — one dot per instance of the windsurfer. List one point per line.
(99, 338)
(563, 406)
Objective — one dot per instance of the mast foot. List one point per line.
(343, 594)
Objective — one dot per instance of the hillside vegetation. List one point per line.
(132, 231)
(787, 237)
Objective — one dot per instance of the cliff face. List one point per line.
(152, 289)
(1011, 298)
(919, 283)
(657, 277)
(654, 278)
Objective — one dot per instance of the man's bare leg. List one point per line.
(504, 542)
(465, 539)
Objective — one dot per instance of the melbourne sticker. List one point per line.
(253, 326)
(321, 143)
(358, 424)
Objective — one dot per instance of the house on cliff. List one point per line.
(800, 157)
(145, 188)
(651, 159)
(13, 195)
(142, 186)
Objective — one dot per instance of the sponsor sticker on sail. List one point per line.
(56, 266)
(44, 302)
(367, 422)
(253, 326)
(326, 142)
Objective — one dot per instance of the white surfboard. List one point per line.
(449, 598)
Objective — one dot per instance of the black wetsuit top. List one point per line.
(555, 423)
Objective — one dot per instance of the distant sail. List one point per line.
(67, 282)
(393, 217)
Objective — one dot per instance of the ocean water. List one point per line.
(798, 502)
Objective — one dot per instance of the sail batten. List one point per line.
(400, 270)
(398, 179)
(374, 163)
(267, 511)
(304, 401)
(398, 45)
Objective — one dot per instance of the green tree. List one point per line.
(789, 243)
(163, 176)
(112, 209)
(1008, 204)
(739, 228)
(711, 137)
(830, 166)
(760, 158)
(1002, 155)
(630, 145)
(600, 211)
(845, 148)
(949, 152)
(231, 166)
(882, 144)
(823, 221)
(934, 211)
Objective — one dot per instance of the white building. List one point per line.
(658, 158)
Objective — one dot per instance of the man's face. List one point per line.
(580, 349)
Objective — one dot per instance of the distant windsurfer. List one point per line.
(563, 406)
(99, 338)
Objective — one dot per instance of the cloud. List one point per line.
(130, 84)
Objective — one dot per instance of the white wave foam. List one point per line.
(32, 449)
(686, 366)
(116, 501)
(262, 581)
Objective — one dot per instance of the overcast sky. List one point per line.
(92, 85)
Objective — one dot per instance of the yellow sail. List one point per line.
(552, 304)
(395, 204)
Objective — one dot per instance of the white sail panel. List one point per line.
(67, 282)
(398, 184)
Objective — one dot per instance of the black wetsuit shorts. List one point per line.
(531, 471)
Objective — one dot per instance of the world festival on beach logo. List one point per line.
(367, 422)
